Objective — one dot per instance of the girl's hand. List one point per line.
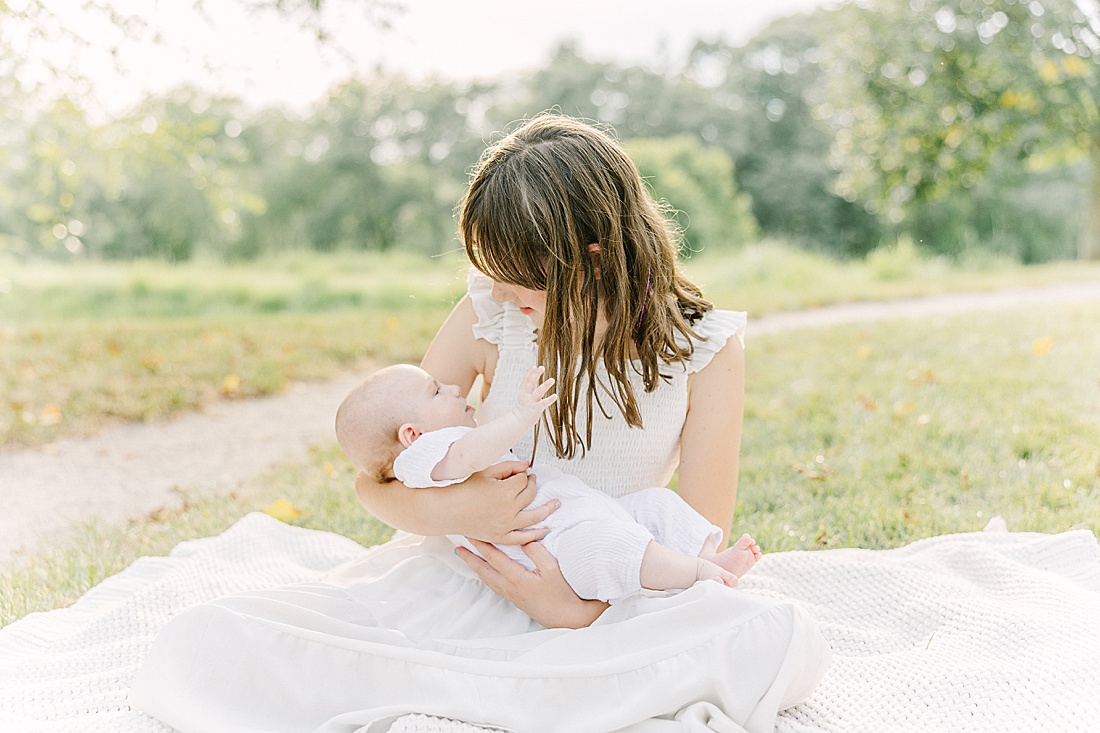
(542, 593)
(491, 505)
(533, 400)
(496, 501)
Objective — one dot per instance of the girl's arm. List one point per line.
(490, 505)
(710, 444)
(485, 444)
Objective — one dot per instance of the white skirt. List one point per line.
(409, 628)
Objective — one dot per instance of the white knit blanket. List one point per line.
(988, 631)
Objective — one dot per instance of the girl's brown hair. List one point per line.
(537, 202)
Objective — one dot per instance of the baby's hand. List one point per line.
(533, 398)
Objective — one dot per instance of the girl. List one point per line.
(577, 271)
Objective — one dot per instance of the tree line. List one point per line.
(965, 125)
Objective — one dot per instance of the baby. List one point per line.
(402, 424)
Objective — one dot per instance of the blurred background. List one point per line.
(183, 130)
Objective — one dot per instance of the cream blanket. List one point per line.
(989, 631)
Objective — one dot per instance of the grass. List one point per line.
(770, 278)
(869, 436)
(72, 378)
(86, 344)
(298, 283)
(874, 436)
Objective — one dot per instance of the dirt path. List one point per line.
(129, 470)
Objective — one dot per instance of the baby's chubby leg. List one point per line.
(738, 558)
(665, 569)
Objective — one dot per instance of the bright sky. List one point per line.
(267, 59)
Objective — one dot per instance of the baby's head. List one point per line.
(392, 408)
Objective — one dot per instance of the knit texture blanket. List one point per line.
(986, 631)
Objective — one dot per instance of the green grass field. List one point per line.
(89, 343)
(82, 346)
(871, 436)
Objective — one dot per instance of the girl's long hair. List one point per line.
(537, 201)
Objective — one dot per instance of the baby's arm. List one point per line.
(485, 444)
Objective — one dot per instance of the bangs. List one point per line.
(501, 239)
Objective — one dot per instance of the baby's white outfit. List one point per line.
(598, 541)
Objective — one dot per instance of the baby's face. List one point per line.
(435, 405)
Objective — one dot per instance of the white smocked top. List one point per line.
(621, 459)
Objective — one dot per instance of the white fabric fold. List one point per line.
(980, 632)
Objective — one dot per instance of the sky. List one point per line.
(267, 59)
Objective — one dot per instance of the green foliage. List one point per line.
(927, 99)
(765, 91)
(964, 125)
(1029, 217)
(698, 184)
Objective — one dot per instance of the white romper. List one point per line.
(598, 541)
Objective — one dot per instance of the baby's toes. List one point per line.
(744, 542)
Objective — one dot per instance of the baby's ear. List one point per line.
(407, 433)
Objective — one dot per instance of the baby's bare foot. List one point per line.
(739, 557)
(707, 570)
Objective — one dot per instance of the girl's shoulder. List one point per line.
(714, 331)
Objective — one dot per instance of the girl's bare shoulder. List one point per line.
(455, 355)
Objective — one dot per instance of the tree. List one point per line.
(51, 167)
(928, 97)
(697, 183)
(768, 89)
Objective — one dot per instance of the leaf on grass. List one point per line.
(814, 472)
(1042, 346)
(864, 352)
(868, 404)
(282, 510)
(330, 469)
(152, 361)
(904, 408)
(51, 415)
(921, 378)
(231, 385)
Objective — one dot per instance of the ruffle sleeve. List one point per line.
(501, 324)
(413, 466)
(490, 314)
(715, 329)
